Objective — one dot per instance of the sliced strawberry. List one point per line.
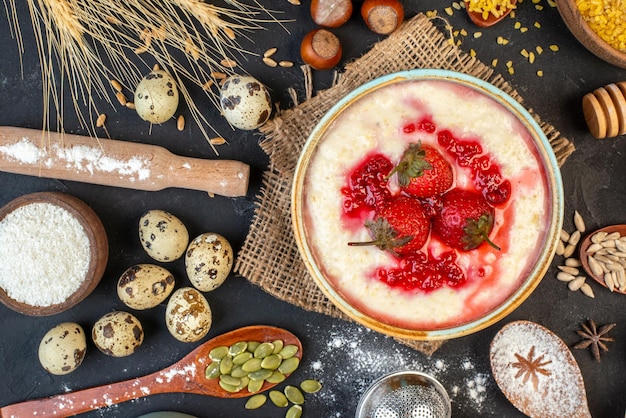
(400, 227)
(423, 171)
(465, 220)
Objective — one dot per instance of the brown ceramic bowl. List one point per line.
(586, 36)
(99, 250)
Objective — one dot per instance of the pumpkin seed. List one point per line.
(276, 377)
(226, 365)
(271, 362)
(237, 348)
(278, 346)
(288, 351)
(256, 401)
(294, 412)
(238, 371)
(229, 388)
(310, 386)
(245, 381)
(252, 365)
(264, 350)
(255, 385)
(218, 353)
(230, 380)
(241, 358)
(278, 398)
(252, 345)
(289, 365)
(212, 370)
(260, 374)
(294, 395)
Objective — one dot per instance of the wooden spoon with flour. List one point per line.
(537, 372)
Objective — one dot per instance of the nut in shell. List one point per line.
(208, 261)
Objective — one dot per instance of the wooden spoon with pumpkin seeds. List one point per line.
(187, 375)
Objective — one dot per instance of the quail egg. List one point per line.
(144, 286)
(63, 348)
(188, 315)
(208, 261)
(163, 236)
(246, 103)
(117, 334)
(156, 97)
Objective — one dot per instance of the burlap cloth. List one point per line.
(269, 256)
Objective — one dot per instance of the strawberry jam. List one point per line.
(366, 187)
(419, 271)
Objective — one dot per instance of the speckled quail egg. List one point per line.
(208, 261)
(63, 348)
(117, 334)
(144, 286)
(156, 97)
(163, 236)
(245, 101)
(188, 315)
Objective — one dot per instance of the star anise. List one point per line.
(594, 337)
(531, 367)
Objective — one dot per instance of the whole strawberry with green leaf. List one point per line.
(464, 220)
(423, 171)
(400, 227)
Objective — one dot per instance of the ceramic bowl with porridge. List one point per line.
(427, 204)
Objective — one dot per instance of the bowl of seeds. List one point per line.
(603, 256)
(53, 252)
(599, 25)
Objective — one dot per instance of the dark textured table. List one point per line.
(344, 356)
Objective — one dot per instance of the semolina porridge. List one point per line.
(437, 113)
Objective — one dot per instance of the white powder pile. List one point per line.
(44, 254)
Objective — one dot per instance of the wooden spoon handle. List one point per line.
(86, 400)
(115, 163)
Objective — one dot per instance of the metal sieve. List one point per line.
(405, 394)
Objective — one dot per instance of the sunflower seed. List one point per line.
(576, 283)
(579, 222)
(560, 248)
(570, 270)
(594, 247)
(612, 236)
(569, 250)
(598, 237)
(587, 290)
(565, 277)
(595, 266)
(256, 401)
(572, 262)
(574, 238)
(564, 235)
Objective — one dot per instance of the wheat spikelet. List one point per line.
(82, 44)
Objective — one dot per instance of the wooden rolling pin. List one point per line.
(116, 163)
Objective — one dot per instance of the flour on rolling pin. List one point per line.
(116, 163)
(80, 158)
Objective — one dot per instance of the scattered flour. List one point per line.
(353, 358)
(81, 158)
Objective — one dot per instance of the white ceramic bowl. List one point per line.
(547, 243)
